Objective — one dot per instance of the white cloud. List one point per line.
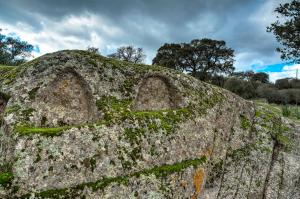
(288, 71)
(279, 75)
(265, 15)
(71, 32)
(251, 61)
(291, 67)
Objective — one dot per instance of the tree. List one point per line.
(93, 49)
(217, 80)
(264, 90)
(287, 30)
(244, 75)
(13, 51)
(167, 55)
(130, 54)
(252, 76)
(260, 77)
(200, 58)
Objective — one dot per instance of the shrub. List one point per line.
(240, 87)
(283, 83)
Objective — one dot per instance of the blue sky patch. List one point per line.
(272, 68)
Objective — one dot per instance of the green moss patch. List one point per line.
(12, 109)
(112, 107)
(245, 123)
(8, 74)
(154, 121)
(6, 178)
(25, 131)
(271, 121)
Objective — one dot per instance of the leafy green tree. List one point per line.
(260, 77)
(252, 76)
(244, 75)
(13, 51)
(287, 30)
(92, 49)
(168, 56)
(201, 57)
(218, 80)
(130, 54)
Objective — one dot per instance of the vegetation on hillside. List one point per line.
(288, 111)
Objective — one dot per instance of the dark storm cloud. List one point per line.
(149, 24)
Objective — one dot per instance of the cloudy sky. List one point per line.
(53, 25)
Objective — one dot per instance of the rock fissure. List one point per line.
(274, 158)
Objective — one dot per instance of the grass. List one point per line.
(8, 74)
(288, 111)
(6, 68)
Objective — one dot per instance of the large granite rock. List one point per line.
(78, 125)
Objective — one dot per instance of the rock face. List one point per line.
(65, 100)
(78, 125)
(156, 93)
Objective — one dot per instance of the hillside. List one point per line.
(79, 125)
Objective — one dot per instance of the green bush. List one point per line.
(240, 87)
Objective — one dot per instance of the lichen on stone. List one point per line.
(80, 125)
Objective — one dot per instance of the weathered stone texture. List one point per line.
(156, 93)
(78, 125)
(66, 100)
(3, 103)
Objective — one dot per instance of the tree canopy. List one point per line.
(130, 54)
(252, 76)
(13, 51)
(201, 57)
(287, 30)
(92, 49)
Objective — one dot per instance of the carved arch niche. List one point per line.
(157, 93)
(66, 100)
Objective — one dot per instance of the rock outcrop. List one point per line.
(78, 125)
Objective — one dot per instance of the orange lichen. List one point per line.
(198, 180)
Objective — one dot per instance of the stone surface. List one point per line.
(78, 125)
(156, 93)
(66, 100)
(3, 103)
